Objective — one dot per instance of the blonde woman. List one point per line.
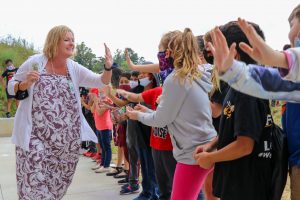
(49, 124)
(185, 109)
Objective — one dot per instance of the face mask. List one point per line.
(164, 74)
(297, 42)
(145, 81)
(208, 57)
(164, 63)
(11, 67)
(124, 87)
(133, 84)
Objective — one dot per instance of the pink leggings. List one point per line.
(188, 181)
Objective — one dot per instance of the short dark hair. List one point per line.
(295, 13)
(200, 42)
(286, 46)
(116, 73)
(7, 61)
(233, 33)
(135, 73)
(126, 75)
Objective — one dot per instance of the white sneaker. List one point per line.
(103, 170)
(97, 166)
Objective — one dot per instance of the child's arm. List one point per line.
(116, 100)
(149, 68)
(132, 97)
(241, 147)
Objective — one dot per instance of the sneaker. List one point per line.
(87, 154)
(8, 115)
(103, 170)
(123, 174)
(124, 186)
(130, 189)
(115, 171)
(96, 157)
(97, 166)
(123, 181)
(143, 196)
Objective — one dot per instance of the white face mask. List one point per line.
(11, 67)
(133, 84)
(145, 81)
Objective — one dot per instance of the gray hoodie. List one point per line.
(185, 110)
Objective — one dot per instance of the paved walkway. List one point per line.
(86, 184)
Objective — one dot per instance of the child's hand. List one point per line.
(158, 99)
(223, 56)
(123, 93)
(259, 50)
(140, 108)
(131, 114)
(128, 60)
(203, 160)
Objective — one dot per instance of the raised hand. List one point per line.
(128, 60)
(108, 57)
(223, 56)
(259, 50)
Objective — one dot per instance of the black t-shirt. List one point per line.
(8, 74)
(218, 97)
(140, 133)
(247, 178)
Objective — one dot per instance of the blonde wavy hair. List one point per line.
(215, 79)
(55, 35)
(185, 52)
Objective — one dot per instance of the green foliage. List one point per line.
(18, 50)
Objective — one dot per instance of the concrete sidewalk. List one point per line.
(86, 184)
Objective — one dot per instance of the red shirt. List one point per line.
(160, 137)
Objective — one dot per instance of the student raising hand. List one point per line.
(259, 50)
(223, 56)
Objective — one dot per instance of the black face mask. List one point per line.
(208, 56)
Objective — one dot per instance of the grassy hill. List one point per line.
(18, 50)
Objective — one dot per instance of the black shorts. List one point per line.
(8, 95)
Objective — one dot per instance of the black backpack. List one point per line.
(279, 156)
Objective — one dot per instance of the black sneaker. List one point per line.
(123, 181)
(8, 115)
(123, 174)
(130, 189)
(124, 186)
(115, 172)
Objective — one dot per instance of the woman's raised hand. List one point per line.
(108, 57)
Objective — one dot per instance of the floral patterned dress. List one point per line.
(46, 170)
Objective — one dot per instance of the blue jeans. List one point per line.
(150, 187)
(201, 196)
(105, 144)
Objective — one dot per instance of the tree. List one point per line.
(85, 56)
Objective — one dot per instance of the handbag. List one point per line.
(21, 94)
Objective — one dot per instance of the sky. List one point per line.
(138, 24)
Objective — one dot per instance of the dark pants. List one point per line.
(149, 184)
(201, 196)
(165, 165)
(133, 162)
(105, 143)
(90, 145)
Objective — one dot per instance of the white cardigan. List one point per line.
(80, 76)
